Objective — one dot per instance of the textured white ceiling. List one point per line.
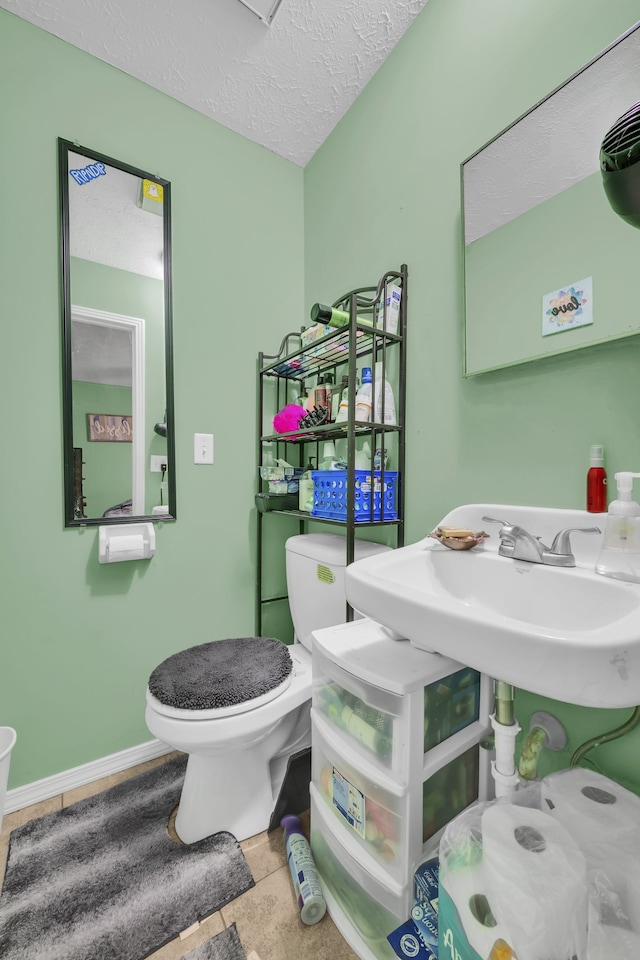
(284, 86)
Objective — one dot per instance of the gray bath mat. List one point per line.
(102, 879)
(226, 946)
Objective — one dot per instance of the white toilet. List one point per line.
(238, 751)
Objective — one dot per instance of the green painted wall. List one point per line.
(385, 189)
(80, 639)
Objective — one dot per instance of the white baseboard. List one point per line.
(59, 783)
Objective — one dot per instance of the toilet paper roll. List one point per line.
(126, 548)
(593, 808)
(536, 881)
(468, 889)
(604, 820)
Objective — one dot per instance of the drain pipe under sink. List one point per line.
(506, 729)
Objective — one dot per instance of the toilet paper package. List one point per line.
(512, 884)
(604, 820)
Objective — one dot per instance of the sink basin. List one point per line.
(565, 633)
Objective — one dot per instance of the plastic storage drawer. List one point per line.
(370, 905)
(382, 818)
(389, 826)
(362, 713)
(389, 698)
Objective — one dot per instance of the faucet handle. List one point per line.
(505, 523)
(561, 545)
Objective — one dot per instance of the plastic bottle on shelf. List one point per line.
(306, 882)
(305, 489)
(329, 459)
(383, 388)
(302, 398)
(363, 457)
(364, 402)
(332, 316)
(380, 459)
(320, 396)
(343, 407)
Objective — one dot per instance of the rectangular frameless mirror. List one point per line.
(119, 460)
(548, 265)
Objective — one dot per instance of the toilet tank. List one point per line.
(316, 565)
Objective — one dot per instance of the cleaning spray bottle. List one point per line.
(306, 882)
(619, 555)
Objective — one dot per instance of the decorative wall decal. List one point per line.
(88, 173)
(568, 308)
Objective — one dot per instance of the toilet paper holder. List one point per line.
(131, 541)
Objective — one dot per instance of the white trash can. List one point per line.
(8, 738)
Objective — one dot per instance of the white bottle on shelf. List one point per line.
(364, 402)
(383, 387)
(363, 457)
(305, 489)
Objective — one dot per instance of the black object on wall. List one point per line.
(619, 156)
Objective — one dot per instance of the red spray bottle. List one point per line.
(597, 482)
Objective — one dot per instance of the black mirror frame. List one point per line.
(64, 148)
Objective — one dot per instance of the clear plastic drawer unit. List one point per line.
(394, 701)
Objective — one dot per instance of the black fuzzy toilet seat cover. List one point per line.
(221, 674)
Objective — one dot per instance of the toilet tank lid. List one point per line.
(330, 547)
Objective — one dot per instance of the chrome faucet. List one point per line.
(518, 543)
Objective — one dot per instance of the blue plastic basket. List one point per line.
(330, 493)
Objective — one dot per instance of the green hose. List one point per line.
(626, 727)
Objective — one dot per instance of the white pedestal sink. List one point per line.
(565, 633)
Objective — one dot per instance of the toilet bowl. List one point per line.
(237, 716)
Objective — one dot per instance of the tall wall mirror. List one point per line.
(548, 265)
(119, 450)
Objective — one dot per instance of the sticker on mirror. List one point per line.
(89, 173)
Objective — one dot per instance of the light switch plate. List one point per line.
(203, 448)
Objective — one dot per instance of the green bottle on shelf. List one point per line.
(321, 313)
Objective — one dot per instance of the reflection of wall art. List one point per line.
(110, 427)
(568, 307)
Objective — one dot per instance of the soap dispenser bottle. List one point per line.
(619, 555)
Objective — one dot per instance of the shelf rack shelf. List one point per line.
(364, 341)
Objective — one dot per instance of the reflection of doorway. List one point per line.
(123, 362)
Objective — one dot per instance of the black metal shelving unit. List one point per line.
(339, 351)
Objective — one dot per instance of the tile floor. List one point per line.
(266, 917)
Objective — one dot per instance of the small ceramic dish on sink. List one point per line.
(457, 538)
